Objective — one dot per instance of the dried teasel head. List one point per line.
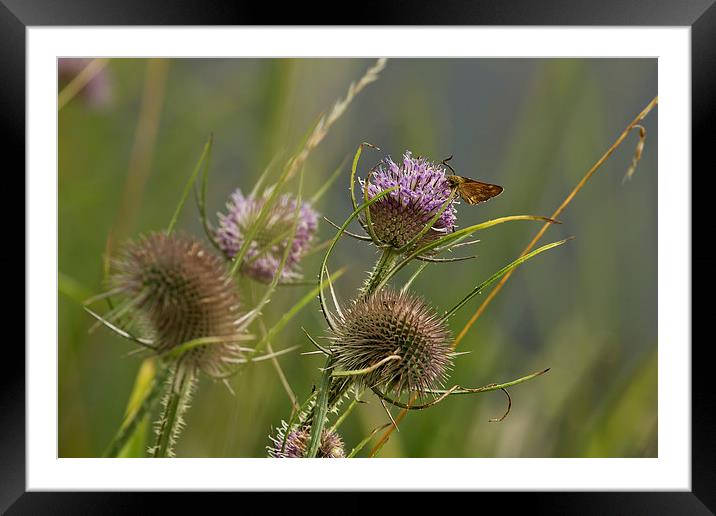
(398, 340)
(180, 292)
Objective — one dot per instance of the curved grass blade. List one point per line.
(122, 333)
(326, 185)
(366, 370)
(455, 389)
(179, 350)
(343, 228)
(290, 314)
(489, 387)
(354, 166)
(353, 404)
(412, 278)
(264, 174)
(445, 260)
(354, 235)
(365, 441)
(368, 226)
(454, 236)
(204, 161)
(499, 274)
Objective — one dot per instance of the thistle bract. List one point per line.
(180, 292)
(393, 324)
(401, 215)
(264, 255)
(295, 444)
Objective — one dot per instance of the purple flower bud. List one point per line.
(401, 215)
(266, 251)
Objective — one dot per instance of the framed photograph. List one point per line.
(461, 245)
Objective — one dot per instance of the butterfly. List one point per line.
(470, 190)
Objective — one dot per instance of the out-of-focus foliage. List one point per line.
(588, 309)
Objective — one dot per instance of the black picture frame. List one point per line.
(700, 15)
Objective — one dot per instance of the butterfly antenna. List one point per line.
(445, 162)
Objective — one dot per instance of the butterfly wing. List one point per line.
(473, 192)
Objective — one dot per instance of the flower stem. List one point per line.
(126, 431)
(320, 410)
(175, 404)
(382, 267)
(325, 392)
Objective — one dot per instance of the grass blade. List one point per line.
(204, 161)
(498, 275)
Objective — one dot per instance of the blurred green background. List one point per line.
(587, 309)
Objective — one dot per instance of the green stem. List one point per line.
(130, 424)
(176, 404)
(320, 410)
(362, 444)
(382, 267)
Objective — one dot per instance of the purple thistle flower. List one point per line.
(391, 323)
(296, 444)
(98, 92)
(264, 255)
(403, 213)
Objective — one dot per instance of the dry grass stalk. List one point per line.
(326, 121)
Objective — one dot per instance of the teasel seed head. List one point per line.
(402, 214)
(296, 444)
(180, 292)
(390, 324)
(269, 243)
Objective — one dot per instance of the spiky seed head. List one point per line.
(268, 245)
(296, 444)
(402, 214)
(392, 323)
(181, 292)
